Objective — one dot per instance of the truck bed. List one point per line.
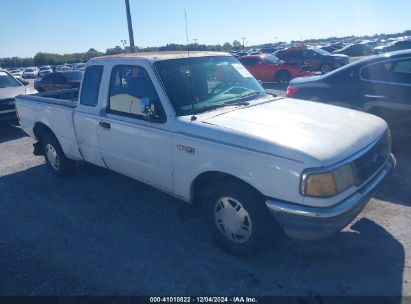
(65, 98)
(54, 110)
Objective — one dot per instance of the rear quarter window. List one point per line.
(393, 71)
(91, 85)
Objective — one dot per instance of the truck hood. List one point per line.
(11, 92)
(308, 132)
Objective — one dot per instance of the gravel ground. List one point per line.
(100, 233)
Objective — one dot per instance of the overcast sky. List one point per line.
(66, 26)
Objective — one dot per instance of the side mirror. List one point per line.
(146, 108)
(149, 110)
(145, 105)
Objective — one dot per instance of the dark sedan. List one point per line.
(380, 85)
(319, 59)
(355, 50)
(59, 81)
(395, 46)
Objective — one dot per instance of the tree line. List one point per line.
(56, 59)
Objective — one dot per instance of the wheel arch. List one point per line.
(206, 179)
(40, 129)
(282, 71)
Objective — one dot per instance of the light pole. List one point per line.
(195, 43)
(243, 42)
(130, 27)
(124, 42)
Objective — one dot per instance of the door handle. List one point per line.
(105, 125)
(369, 96)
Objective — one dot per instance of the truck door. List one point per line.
(131, 141)
(87, 115)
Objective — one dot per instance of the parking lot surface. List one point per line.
(100, 233)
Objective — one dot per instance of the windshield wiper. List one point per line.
(247, 95)
(239, 103)
(222, 105)
(272, 94)
(234, 101)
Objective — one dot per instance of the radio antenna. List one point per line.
(193, 117)
(185, 18)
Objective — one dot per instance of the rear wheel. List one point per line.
(282, 77)
(58, 163)
(238, 219)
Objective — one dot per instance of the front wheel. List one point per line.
(238, 218)
(282, 77)
(55, 158)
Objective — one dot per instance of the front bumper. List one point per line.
(311, 223)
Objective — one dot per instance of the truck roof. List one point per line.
(157, 56)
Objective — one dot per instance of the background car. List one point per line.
(395, 46)
(63, 68)
(44, 70)
(10, 87)
(268, 68)
(31, 72)
(380, 85)
(59, 81)
(269, 50)
(16, 73)
(319, 59)
(79, 66)
(355, 50)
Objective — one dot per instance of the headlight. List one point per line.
(329, 183)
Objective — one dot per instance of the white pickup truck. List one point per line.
(199, 127)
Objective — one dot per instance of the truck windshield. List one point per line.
(196, 85)
(7, 81)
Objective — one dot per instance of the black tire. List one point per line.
(263, 228)
(326, 68)
(63, 166)
(282, 77)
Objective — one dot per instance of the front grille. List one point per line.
(6, 104)
(369, 163)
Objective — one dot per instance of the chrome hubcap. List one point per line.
(52, 157)
(232, 220)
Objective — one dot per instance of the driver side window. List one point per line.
(132, 94)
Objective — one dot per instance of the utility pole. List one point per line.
(130, 27)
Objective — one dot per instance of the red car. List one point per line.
(268, 68)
